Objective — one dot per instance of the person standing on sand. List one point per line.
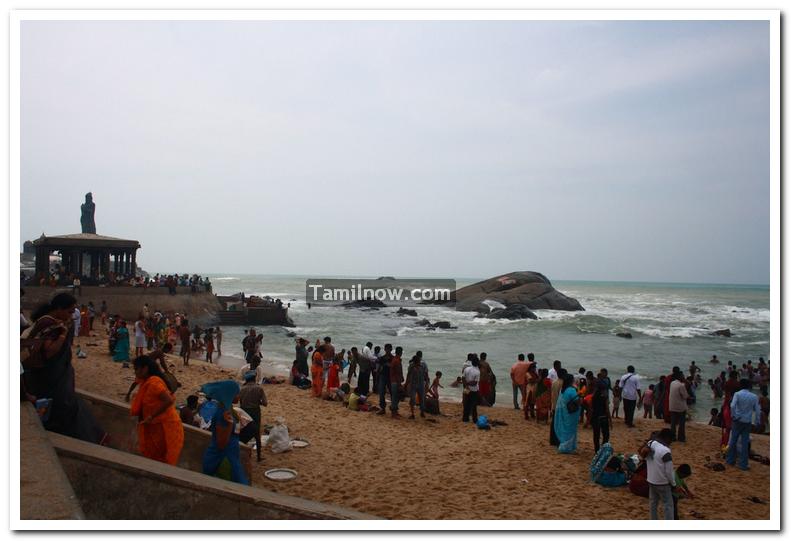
(601, 419)
(471, 377)
(396, 379)
(630, 385)
(224, 436)
(557, 386)
(384, 377)
(103, 313)
(543, 396)
(553, 372)
(531, 382)
(364, 365)
(567, 416)
(659, 398)
(519, 380)
(487, 377)
(251, 398)
(184, 336)
(744, 406)
(208, 338)
(218, 333)
(329, 355)
(248, 345)
(678, 408)
(417, 383)
(160, 434)
(121, 352)
(140, 335)
(660, 474)
(91, 315)
(317, 372)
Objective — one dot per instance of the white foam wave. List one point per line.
(225, 279)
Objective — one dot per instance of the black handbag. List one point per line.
(573, 405)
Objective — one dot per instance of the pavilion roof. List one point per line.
(84, 240)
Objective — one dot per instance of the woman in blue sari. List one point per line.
(565, 421)
(224, 432)
(121, 353)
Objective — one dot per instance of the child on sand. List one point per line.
(681, 490)
(435, 386)
(648, 403)
(616, 399)
(715, 418)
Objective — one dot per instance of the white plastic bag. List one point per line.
(278, 437)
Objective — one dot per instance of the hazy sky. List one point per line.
(584, 150)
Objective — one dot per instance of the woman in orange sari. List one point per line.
(543, 396)
(317, 372)
(160, 434)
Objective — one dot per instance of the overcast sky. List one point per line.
(583, 150)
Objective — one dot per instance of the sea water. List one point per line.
(671, 325)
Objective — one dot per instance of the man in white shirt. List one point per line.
(256, 367)
(661, 475)
(471, 377)
(677, 404)
(553, 372)
(630, 394)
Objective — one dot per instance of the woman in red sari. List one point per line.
(317, 372)
(85, 323)
(532, 379)
(543, 396)
(333, 379)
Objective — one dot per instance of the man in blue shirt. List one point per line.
(743, 405)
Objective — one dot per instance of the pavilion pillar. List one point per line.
(79, 262)
(134, 262)
(115, 263)
(125, 265)
(42, 261)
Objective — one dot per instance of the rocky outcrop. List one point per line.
(406, 312)
(530, 289)
(364, 303)
(723, 332)
(513, 311)
(433, 326)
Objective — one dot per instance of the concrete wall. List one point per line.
(114, 417)
(201, 307)
(114, 485)
(45, 491)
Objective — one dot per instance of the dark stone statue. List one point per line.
(88, 208)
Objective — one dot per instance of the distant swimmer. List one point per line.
(714, 359)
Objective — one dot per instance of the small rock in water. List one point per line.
(722, 332)
(624, 334)
(406, 312)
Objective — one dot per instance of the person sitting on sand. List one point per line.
(433, 391)
(296, 378)
(189, 412)
(715, 419)
(255, 366)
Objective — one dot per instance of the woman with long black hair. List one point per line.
(53, 375)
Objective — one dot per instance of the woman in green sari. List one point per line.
(121, 353)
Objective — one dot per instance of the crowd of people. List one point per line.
(59, 276)
(554, 397)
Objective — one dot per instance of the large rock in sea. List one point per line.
(531, 289)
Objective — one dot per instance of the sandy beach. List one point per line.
(440, 468)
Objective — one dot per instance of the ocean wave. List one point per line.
(225, 279)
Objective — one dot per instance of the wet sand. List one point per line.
(441, 468)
